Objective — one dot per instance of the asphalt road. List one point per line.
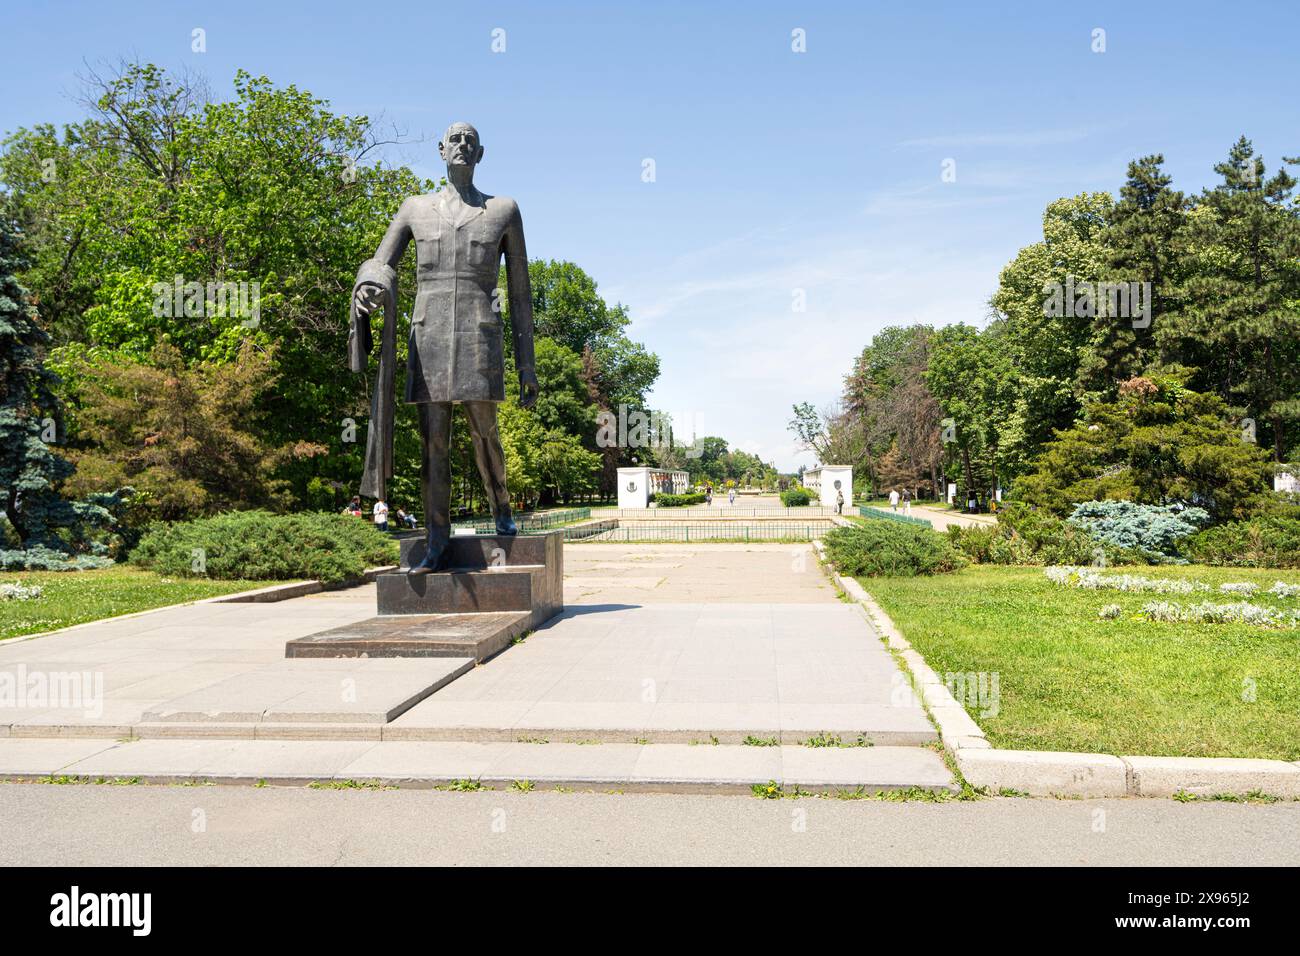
(136, 825)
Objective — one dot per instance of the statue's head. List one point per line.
(460, 146)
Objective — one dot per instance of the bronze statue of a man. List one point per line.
(455, 348)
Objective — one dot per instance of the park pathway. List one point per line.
(941, 519)
(690, 666)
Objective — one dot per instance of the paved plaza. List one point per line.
(673, 667)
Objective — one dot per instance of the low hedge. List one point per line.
(1024, 535)
(796, 497)
(1270, 542)
(887, 549)
(665, 500)
(260, 546)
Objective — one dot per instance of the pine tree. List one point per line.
(30, 419)
(1143, 242)
(1239, 314)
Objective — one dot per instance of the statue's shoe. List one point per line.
(507, 526)
(434, 560)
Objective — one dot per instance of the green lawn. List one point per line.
(74, 597)
(1069, 681)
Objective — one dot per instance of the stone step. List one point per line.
(460, 591)
(654, 767)
(474, 635)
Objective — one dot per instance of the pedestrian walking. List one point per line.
(839, 502)
(381, 515)
(893, 499)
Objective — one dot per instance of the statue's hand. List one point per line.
(527, 389)
(369, 297)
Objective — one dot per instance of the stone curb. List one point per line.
(1049, 773)
(294, 589)
(651, 768)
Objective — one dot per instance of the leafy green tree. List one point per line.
(190, 439)
(1047, 350)
(970, 375)
(268, 188)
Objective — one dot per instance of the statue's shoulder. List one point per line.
(500, 205)
(419, 201)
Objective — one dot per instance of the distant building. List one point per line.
(826, 481)
(636, 485)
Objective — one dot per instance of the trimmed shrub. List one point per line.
(1257, 543)
(259, 546)
(665, 500)
(886, 549)
(1150, 530)
(796, 497)
(1024, 535)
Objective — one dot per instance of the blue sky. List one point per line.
(775, 171)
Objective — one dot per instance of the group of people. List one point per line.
(708, 495)
(905, 498)
(380, 514)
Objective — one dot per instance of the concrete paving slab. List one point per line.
(402, 760)
(45, 757)
(883, 768)
(705, 765)
(315, 691)
(308, 759)
(147, 758)
(578, 763)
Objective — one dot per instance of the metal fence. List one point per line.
(718, 511)
(713, 531)
(543, 521)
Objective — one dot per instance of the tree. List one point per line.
(1158, 443)
(1240, 320)
(887, 397)
(191, 439)
(567, 469)
(971, 378)
(836, 436)
(270, 189)
(1046, 350)
(47, 525)
(1143, 243)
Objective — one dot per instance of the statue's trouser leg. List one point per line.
(491, 460)
(435, 475)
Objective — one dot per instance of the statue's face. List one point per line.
(460, 146)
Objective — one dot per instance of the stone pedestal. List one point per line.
(496, 588)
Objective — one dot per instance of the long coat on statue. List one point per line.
(455, 349)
